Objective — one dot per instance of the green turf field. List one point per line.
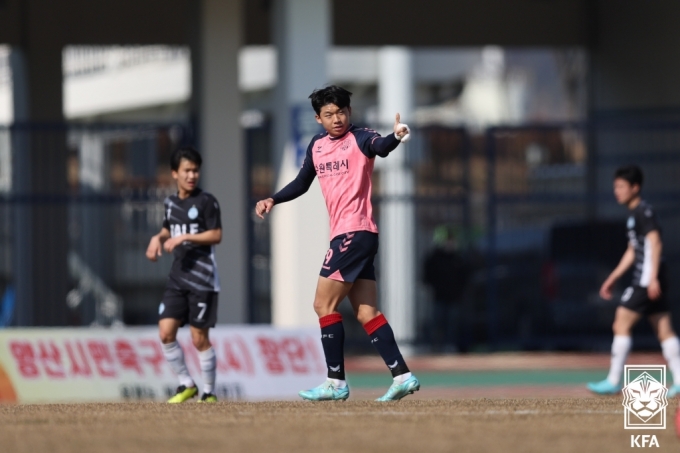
(485, 378)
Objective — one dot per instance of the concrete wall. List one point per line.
(99, 22)
(633, 46)
(443, 22)
(221, 142)
(355, 22)
(635, 55)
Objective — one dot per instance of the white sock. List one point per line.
(402, 378)
(208, 369)
(338, 383)
(620, 349)
(671, 352)
(175, 357)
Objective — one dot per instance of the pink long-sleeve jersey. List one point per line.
(344, 166)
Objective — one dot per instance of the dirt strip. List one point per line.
(532, 425)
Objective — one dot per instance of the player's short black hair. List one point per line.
(185, 152)
(631, 173)
(332, 94)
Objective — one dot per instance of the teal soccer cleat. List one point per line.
(604, 388)
(674, 391)
(398, 391)
(325, 392)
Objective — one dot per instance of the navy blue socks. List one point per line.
(382, 337)
(333, 341)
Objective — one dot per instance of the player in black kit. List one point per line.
(191, 229)
(646, 295)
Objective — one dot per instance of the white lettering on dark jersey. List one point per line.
(641, 222)
(194, 266)
(180, 229)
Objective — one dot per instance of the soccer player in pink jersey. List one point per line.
(343, 158)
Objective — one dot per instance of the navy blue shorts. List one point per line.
(350, 257)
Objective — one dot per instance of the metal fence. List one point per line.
(72, 242)
(523, 218)
(534, 225)
(540, 231)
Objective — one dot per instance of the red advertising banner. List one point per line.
(253, 363)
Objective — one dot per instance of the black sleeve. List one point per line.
(648, 221)
(300, 185)
(211, 214)
(372, 144)
(382, 146)
(166, 221)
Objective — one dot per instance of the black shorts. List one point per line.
(199, 309)
(351, 257)
(635, 298)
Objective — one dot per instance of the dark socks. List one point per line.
(382, 337)
(333, 342)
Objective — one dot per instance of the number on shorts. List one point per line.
(329, 255)
(627, 294)
(202, 306)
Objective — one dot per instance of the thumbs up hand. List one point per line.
(401, 131)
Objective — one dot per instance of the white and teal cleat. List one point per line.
(674, 391)
(325, 392)
(604, 388)
(398, 391)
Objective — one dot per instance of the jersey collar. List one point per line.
(193, 193)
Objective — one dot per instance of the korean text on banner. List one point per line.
(253, 363)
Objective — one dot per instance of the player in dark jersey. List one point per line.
(343, 158)
(646, 295)
(191, 229)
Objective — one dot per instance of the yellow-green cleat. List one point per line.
(207, 398)
(183, 393)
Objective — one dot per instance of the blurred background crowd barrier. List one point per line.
(79, 254)
(497, 220)
(515, 227)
